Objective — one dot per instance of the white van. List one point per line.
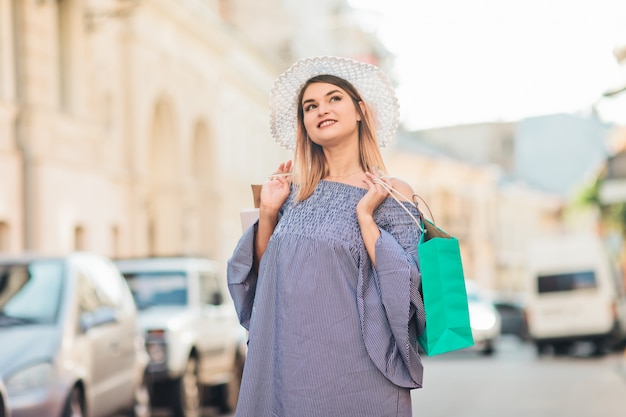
(575, 292)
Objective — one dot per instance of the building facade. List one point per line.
(127, 127)
(136, 127)
(493, 221)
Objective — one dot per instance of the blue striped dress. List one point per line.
(329, 335)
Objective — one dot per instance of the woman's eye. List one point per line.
(309, 107)
(335, 98)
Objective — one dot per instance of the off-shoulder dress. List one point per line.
(329, 334)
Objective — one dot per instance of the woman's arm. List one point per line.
(389, 297)
(273, 195)
(268, 219)
(368, 204)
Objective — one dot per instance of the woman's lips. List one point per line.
(326, 123)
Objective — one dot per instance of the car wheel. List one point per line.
(489, 348)
(141, 401)
(561, 348)
(187, 401)
(75, 404)
(541, 348)
(600, 347)
(228, 394)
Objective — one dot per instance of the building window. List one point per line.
(64, 34)
(107, 112)
(4, 237)
(5, 20)
(201, 158)
(115, 241)
(151, 237)
(79, 238)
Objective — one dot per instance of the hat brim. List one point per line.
(374, 87)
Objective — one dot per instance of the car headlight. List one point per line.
(30, 378)
(482, 318)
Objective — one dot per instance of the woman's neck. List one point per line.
(345, 175)
(341, 164)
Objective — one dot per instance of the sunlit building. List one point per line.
(135, 128)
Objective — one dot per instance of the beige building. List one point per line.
(128, 130)
(134, 127)
(493, 222)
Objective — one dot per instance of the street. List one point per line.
(514, 382)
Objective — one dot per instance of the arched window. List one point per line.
(163, 153)
(165, 234)
(202, 162)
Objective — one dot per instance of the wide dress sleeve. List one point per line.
(242, 278)
(389, 297)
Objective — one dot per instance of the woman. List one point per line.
(327, 281)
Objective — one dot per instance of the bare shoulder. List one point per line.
(402, 186)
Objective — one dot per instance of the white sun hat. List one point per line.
(372, 84)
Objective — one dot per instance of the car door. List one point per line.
(113, 288)
(110, 370)
(216, 335)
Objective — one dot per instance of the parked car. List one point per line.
(196, 345)
(512, 318)
(4, 401)
(71, 344)
(484, 319)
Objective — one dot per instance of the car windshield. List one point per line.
(30, 293)
(158, 288)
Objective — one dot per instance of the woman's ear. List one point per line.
(363, 110)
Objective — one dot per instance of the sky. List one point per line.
(473, 61)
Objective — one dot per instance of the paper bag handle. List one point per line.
(391, 192)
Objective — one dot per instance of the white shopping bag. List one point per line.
(250, 215)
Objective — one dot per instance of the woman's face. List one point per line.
(330, 116)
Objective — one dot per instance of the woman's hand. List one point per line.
(375, 195)
(276, 189)
(273, 195)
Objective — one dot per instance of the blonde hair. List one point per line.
(310, 161)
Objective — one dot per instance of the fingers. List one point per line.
(375, 180)
(284, 170)
(284, 167)
(276, 178)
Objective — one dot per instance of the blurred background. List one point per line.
(134, 128)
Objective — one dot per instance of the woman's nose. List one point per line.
(322, 109)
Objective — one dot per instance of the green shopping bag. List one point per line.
(443, 288)
(443, 284)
